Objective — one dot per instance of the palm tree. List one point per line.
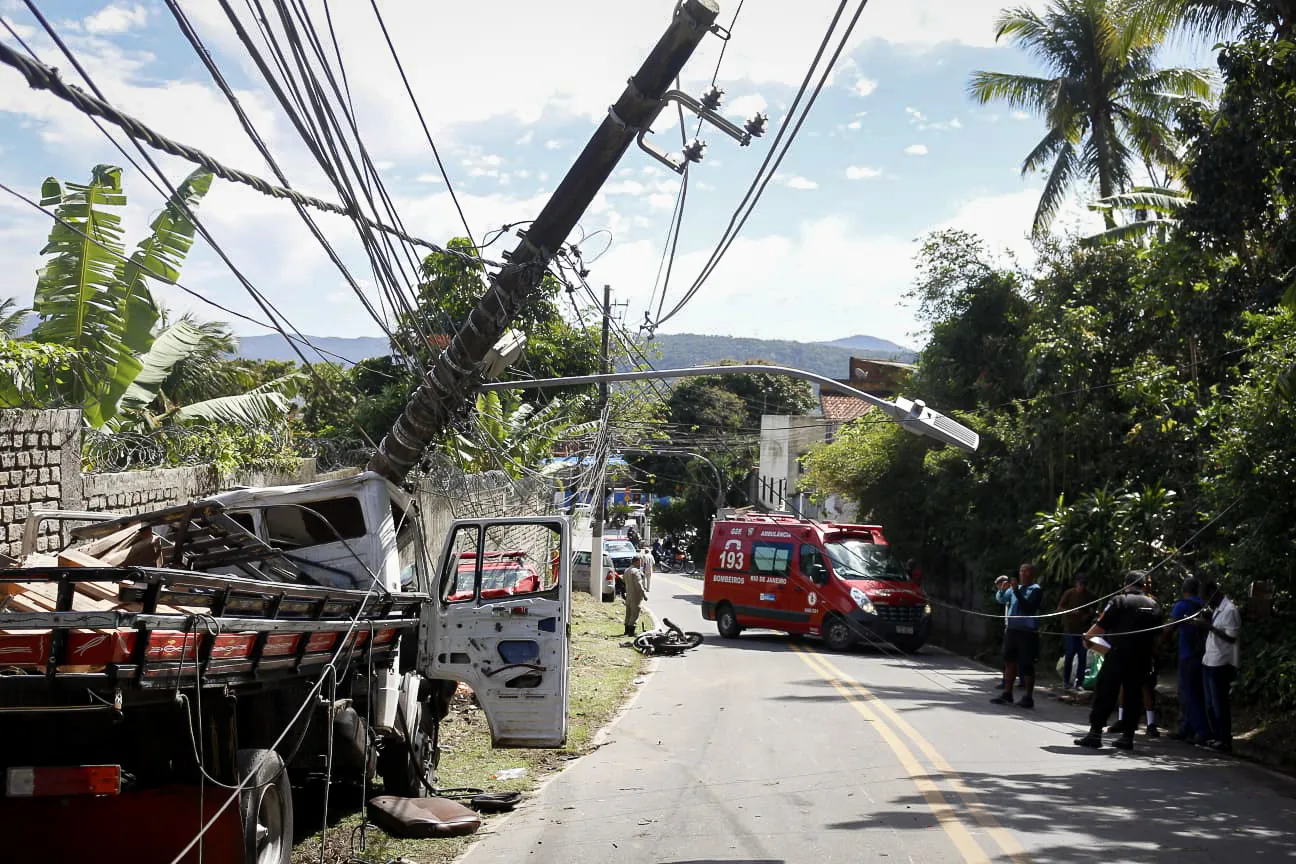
(1155, 211)
(12, 317)
(93, 300)
(1106, 105)
(513, 436)
(1223, 18)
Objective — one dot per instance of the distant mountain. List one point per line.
(667, 351)
(860, 342)
(688, 349)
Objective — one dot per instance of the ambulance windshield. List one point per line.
(854, 559)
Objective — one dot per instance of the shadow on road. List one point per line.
(1096, 815)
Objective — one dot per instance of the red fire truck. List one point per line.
(824, 579)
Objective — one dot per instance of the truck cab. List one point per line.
(836, 581)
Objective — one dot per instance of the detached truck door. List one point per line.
(511, 650)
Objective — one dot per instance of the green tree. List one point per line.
(12, 317)
(506, 434)
(1223, 18)
(93, 300)
(450, 287)
(1106, 105)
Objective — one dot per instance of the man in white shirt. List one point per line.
(1220, 665)
(646, 565)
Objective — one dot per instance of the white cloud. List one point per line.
(745, 106)
(767, 271)
(915, 116)
(916, 150)
(862, 172)
(854, 124)
(116, 19)
(865, 86)
(541, 66)
(1020, 115)
(555, 144)
(428, 178)
(947, 126)
(796, 182)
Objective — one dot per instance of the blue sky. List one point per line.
(512, 90)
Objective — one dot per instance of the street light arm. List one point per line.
(913, 416)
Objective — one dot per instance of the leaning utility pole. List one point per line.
(446, 389)
(598, 513)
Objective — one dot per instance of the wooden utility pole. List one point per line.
(454, 375)
(598, 513)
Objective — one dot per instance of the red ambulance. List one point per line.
(779, 572)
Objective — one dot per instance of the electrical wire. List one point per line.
(774, 157)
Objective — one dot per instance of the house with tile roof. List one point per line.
(785, 439)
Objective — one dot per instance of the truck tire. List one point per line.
(265, 806)
(837, 634)
(727, 622)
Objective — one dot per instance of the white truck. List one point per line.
(160, 660)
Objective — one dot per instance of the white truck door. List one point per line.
(500, 621)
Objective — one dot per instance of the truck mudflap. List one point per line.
(99, 828)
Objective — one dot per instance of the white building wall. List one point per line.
(784, 440)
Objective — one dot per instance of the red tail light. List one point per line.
(79, 780)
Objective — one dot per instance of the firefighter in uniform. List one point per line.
(1129, 624)
(635, 594)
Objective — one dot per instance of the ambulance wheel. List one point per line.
(265, 805)
(837, 634)
(727, 622)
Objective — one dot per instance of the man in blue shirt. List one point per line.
(1192, 645)
(1023, 598)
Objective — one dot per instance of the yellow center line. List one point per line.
(941, 809)
(1007, 842)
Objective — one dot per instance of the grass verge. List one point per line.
(602, 675)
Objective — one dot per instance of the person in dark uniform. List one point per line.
(1129, 625)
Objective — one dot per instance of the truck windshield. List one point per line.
(859, 559)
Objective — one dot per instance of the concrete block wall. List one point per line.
(40, 468)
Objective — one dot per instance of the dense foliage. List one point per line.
(1129, 395)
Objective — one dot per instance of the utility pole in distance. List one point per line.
(451, 380)
(598, 513)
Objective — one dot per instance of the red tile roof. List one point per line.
(840, 408)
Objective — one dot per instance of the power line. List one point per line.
(759, 183)
(42, 77)
(205, 56)
(422, 122)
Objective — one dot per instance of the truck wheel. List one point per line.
(837, 634)
(265, 805)
(727, 622)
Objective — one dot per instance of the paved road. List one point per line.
(765, 750)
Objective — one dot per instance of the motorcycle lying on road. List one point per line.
(667, 640)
